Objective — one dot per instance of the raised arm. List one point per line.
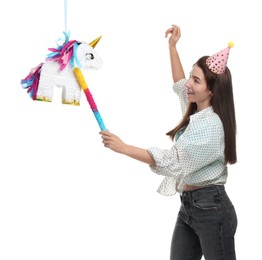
(176, 66)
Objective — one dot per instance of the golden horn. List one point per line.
(94, 42)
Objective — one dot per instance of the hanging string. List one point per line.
(65, 14)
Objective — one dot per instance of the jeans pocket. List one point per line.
(206, 202)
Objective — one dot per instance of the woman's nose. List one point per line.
(187, 84)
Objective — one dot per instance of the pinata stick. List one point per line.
(81, 81)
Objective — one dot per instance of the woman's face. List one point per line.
(197, 91)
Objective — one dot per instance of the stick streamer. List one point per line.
(83, 85)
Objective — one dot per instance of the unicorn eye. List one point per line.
(90, 56)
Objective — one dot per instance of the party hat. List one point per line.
(218, 62)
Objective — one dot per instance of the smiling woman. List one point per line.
(196, 165)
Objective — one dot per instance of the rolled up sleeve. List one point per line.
(167, 162)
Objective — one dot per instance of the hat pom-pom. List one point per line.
(230, 44)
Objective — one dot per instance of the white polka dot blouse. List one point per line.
(197, 155)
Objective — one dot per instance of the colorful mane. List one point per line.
(65, 53)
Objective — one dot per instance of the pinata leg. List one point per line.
(81, 81)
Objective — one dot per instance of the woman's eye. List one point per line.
(90, 56)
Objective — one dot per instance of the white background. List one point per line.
(62, 194)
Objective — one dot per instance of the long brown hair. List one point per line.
(222, 102)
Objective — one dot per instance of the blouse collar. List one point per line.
(202, 113)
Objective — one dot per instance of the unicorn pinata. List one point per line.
(58, 71)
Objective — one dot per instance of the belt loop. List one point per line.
(220, 188)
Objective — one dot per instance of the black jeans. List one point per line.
(206, 225)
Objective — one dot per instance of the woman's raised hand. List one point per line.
(174, 33)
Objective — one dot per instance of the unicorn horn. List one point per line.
(94, 42)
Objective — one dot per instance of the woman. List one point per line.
(196, 165)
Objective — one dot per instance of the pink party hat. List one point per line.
(218, 62)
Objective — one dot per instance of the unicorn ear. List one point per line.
(94, 42)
